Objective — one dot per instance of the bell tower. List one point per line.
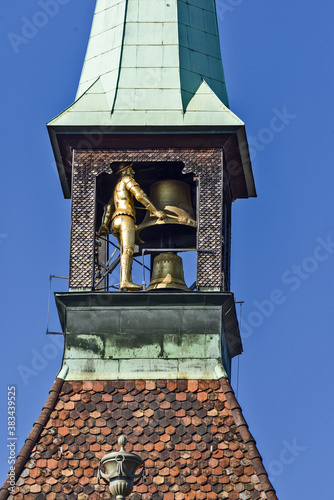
(152, 158)
(152, 93)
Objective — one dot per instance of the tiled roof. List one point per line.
(191, 434)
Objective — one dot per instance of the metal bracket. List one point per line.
(51, 276)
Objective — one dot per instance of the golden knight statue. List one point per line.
(120, 212)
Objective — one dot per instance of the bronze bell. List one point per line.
(167, 272)
(174, 198)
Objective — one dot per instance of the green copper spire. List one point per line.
(152, 63)
(152, 66)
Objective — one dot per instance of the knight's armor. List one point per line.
(120, 212)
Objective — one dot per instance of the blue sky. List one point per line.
(279, 69)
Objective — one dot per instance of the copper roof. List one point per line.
(191, 434)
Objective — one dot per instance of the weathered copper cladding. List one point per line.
(206, 166)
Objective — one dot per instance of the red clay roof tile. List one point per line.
(191, 434)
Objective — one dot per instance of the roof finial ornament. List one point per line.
(121, 468)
